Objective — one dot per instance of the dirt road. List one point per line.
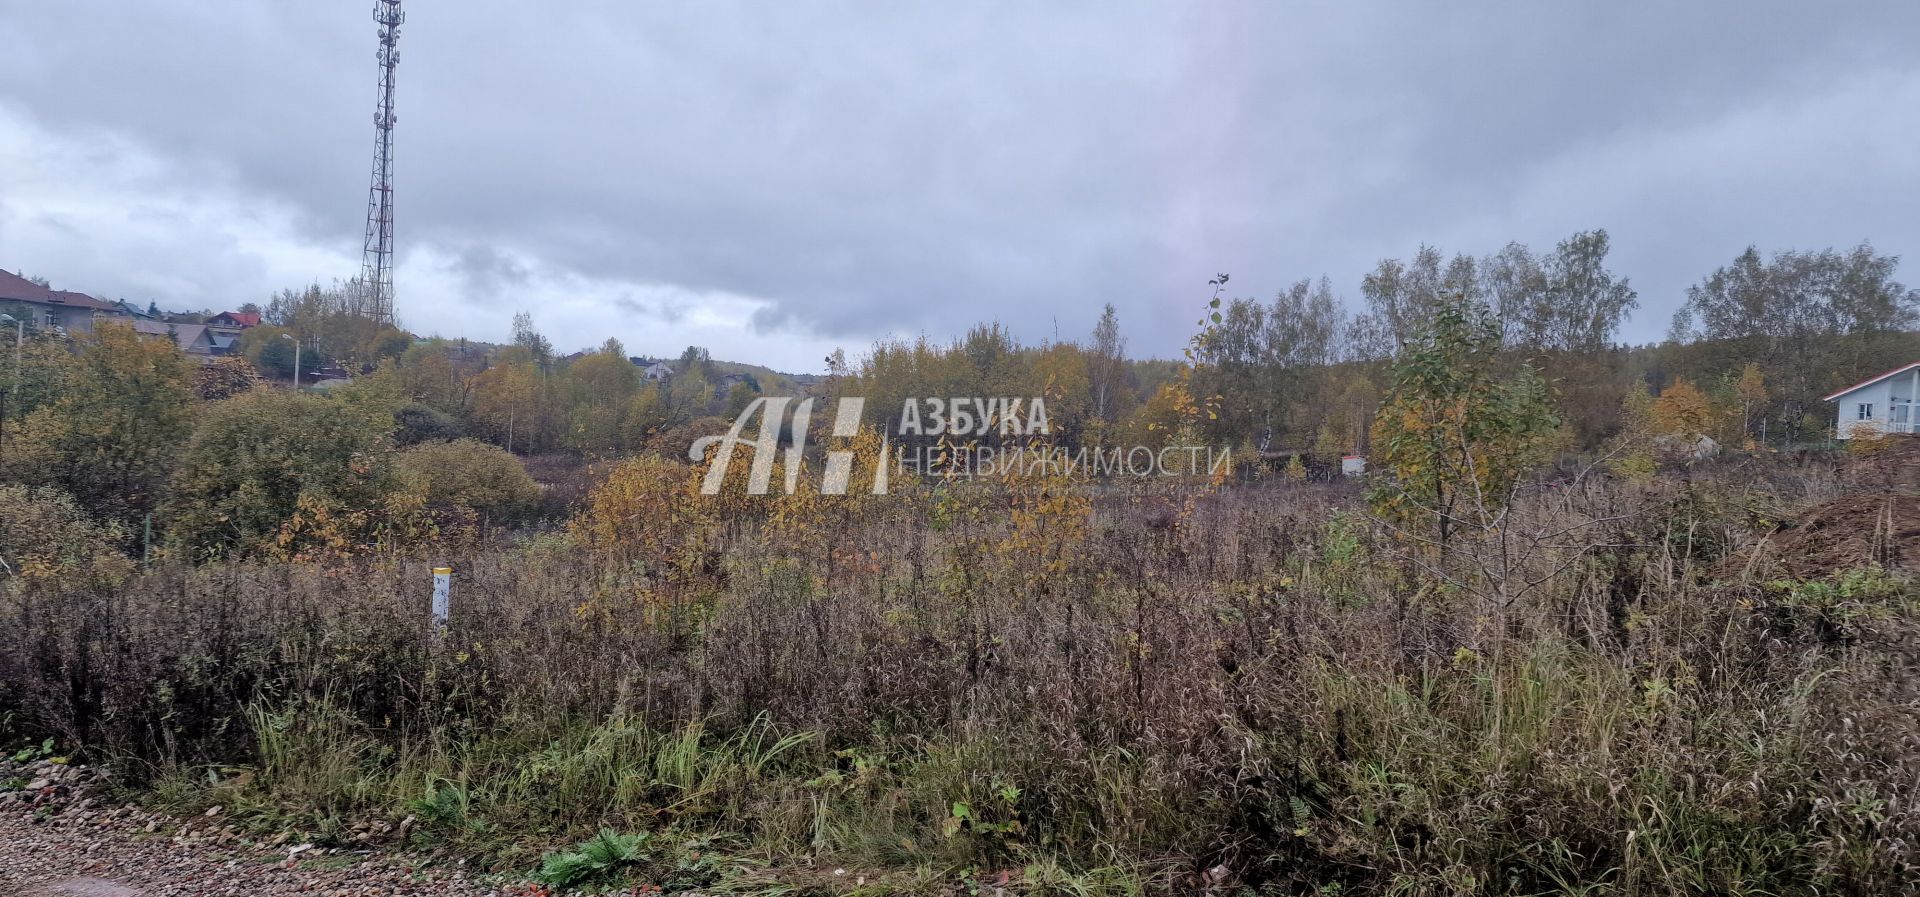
(56, 840)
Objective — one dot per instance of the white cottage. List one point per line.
(1883, 404)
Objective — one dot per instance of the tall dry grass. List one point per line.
(1258, 688)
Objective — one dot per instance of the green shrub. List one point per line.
(44, 532)
(419, 423)
(469, 475)
(262, 458)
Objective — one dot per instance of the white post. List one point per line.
(1913, 402)
(442, 593)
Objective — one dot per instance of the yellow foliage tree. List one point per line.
(1683, 411)
(1632, 454)
(112, 435)
(1327, 445)
(650, 530)
(506, 402)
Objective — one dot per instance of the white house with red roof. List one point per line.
(1882, 404)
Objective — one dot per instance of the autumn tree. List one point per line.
(332, 323)
(526, 337)
(1403, 298)
(1264, 366)
(1814, 321)
(1566, 301)
(224, 378)
(1107, 366)
(126, 409)
(595, 390)
(44, 533)
(439, 373)
(1233, 370)
(1682, 411)
(646, 417)
(43, 373)
(1060, 376)
(270, 349)
(1631, 454)
(1455, 435)
(509, 403)
(1328, 444)
(739, 396)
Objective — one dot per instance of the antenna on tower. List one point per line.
(375, 299)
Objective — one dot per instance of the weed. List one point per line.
(604, 859)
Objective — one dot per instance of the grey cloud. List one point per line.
(668, 311)
(893, 168)
(490, 275)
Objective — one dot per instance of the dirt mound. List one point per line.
(1876, 522)
(1856, 531)
(1892, 465)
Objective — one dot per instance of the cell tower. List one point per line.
(376, 271)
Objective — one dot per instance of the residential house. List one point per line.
(234, 320)
(56, 309)
(151, 312)
(193, 339)
(1877, 405)
(224, 329)
(657, 371)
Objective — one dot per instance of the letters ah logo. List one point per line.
(773, 412)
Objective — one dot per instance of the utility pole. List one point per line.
(296, 360)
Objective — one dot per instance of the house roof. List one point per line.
(15, 288)
(80, 300)
(239, 318)
(185, 335)
(1872, 380)
(123, 306)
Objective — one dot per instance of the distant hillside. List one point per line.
(772, 382)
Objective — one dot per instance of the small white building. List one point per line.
(1883, 404)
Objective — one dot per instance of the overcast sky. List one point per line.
(773, 180)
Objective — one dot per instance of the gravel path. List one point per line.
(56, 841)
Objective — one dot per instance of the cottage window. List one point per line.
(1866, 411)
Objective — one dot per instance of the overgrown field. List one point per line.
(1252, 689)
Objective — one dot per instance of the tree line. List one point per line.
(131, 428)
(1759, 340)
